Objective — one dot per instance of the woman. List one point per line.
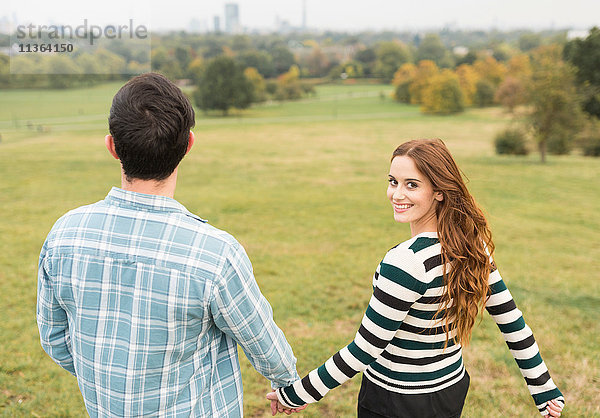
(427, 293)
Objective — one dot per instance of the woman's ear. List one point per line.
(439, 196)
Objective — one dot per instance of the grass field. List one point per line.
(302, 186)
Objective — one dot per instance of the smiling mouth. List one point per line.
(402, 207)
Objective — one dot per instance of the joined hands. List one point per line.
(276, 406)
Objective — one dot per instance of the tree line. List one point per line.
(179, 55)
(556, 81)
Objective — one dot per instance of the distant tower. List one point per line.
(232, 18)
(217, 24)
(304, 14)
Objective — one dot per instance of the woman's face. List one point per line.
(412, 196)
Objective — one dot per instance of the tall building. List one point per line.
(217, 24)
(303, 14)
(232, 18)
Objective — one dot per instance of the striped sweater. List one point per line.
(400, 346)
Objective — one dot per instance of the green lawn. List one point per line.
(302, 186)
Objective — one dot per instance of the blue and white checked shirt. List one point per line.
(145, 303)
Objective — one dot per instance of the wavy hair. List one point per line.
(464, 235)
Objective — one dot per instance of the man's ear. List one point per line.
(110, 146)
(190, 142)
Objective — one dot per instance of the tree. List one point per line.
(402, 81)
(584, 54)
(4, 71)
(111, 62)
(90, 67)
(223, 86)
(350, 69)
(317, 62)
(529, 41)
(443, 94)
(467, 79)
(484, 93)
(258, 84)
(57, 66)
(555, 108)
(261, 60)
(511, 93)
(288, 85)
(491, 70)
(405, 73)
(367, 58)
(519, 66)
(194, 70)
(390, 56)
(183, 56)
(159, 58)
(425, 71)
(172, 70)
(469, 58)
(432, 48)
(283, 59)
(502, 51)
(241, 43)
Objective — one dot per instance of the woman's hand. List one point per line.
(276, 406)
(554, 408)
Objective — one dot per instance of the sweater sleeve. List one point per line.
(395, 289)
(521, 343)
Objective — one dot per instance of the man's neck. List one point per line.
(164, 187)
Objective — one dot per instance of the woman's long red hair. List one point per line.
(464, 234)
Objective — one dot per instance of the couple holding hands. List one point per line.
(145, 302)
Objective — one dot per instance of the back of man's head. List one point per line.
(150, 120)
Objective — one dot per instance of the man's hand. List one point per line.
(276, 406)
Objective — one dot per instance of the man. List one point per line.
(143, 301)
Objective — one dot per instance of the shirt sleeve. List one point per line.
(521, 343)
(394, 292)
(52, 320)
(241, 311)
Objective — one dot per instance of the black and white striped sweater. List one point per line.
(400, 345)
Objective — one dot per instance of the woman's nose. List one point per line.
(398, 194)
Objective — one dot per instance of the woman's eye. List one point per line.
(393, 182)
(412, 185)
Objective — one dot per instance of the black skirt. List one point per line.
(376, 402)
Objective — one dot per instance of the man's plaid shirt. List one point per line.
(144, 303)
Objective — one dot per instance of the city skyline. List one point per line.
(323, 15)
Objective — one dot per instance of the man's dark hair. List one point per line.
(150, 120)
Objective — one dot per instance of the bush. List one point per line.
(402, 93)
(484, 94)
(443, 95)
(511, 142)
(308, 88)
(271, 87)
(591, 146)
(559, 144)
(289, 91)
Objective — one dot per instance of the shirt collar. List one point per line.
(146, 202)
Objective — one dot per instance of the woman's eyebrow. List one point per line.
(409, 179)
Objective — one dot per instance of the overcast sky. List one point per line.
(352, 15)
